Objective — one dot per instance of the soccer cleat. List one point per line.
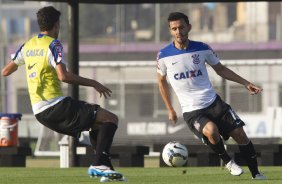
(233, 168)
(106, 179)
(104, 171)
(259, 176)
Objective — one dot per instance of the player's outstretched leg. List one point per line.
(248, 152)
(230, 164)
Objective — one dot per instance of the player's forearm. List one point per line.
(232, 76)
(71, 78)
(6, 72)
(164, 90)
(10, 68)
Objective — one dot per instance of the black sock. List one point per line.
(93, 135)
(104, 143)
(249, 154)
(219, 149)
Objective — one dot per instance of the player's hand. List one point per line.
(102, 90)
(253, 89)
(172, 116)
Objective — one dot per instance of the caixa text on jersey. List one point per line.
(34, 52)
(187, 74)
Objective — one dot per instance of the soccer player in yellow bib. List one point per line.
(45, 69)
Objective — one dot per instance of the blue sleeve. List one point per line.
(56, 49)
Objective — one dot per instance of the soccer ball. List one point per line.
(175, 154)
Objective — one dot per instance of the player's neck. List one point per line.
(181, 46)
(49, 33)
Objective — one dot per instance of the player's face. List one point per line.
(179, 30)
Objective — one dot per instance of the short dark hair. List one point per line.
(47, 17)
(176, 16)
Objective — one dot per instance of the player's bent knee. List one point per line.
(210, 131)
(111, 117)
(114, 119)
(104, 116)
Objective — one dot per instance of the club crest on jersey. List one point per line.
(187, 74)
(196, 59)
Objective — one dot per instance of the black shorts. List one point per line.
(218, 112)
(69, 116)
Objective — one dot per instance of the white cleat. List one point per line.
(233, 168)
(259, 176)
(107, 179)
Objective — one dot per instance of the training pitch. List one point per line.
(205, 175)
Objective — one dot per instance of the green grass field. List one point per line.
(205, 175)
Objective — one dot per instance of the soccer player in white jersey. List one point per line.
(182, 62)
(45, 69)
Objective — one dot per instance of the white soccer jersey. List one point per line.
(187, 73)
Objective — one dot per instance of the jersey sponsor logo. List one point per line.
(196, 58)
(31, 66)
(187, 74)
(32, 75)
(34, 52)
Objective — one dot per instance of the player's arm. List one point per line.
(164, 90)
(12, 66)
(228, 74)
(9, 68)
(72, 78)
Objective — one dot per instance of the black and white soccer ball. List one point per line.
(175, 154)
